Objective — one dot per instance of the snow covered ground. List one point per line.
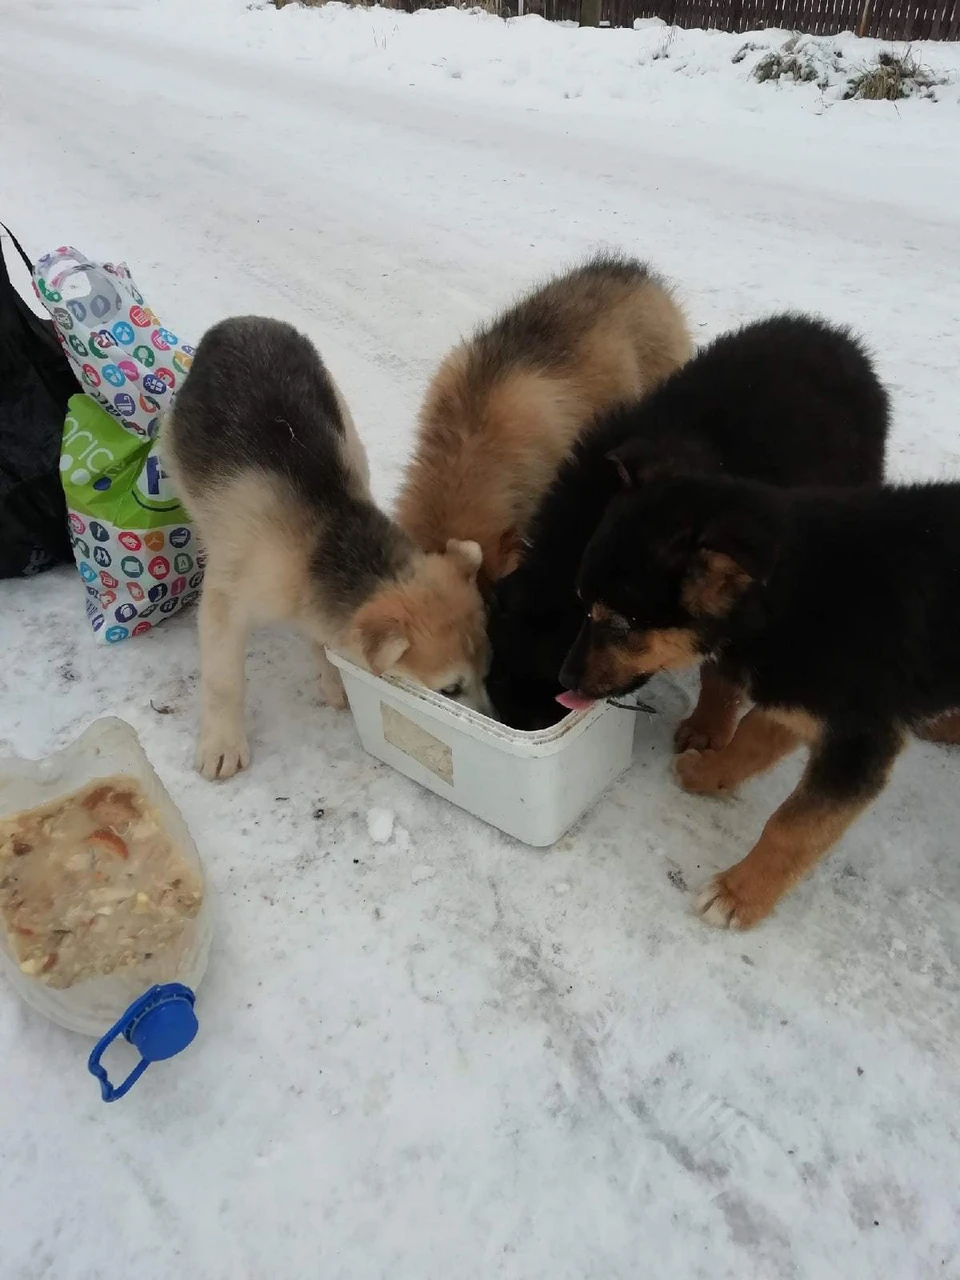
(428, 1052)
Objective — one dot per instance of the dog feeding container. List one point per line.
(533, 786)
(105, 919)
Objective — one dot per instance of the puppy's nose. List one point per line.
(569, 676)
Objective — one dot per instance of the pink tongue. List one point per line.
(574, 701)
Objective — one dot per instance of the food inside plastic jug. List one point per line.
(105, 919)
(92, 882)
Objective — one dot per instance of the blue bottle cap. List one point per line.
(160, 1024)
(164, 1030)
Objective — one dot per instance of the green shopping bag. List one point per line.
(133, 542)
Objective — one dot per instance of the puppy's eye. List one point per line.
(618, 625)
(452, 690)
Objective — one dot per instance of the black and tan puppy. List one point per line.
(790, 401)
(838, 612)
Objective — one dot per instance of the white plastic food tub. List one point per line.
(533, 786)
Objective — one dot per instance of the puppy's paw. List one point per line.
(945, 730)
(730, 901)
(331, 687)
(696, 733)
(703, 773)
(221, 754)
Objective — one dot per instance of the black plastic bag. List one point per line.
(35, 384)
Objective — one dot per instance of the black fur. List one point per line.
(258, 398)
(850, 615)
(789, 400)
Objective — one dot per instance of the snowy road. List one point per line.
(448, 1055)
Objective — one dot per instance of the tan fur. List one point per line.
(492, 436)
(610, 667)
(760, 741)
(795, 837)
(259, 539)
(671, 649)
(437, 617)
(711, 724)
(794, 840)
(944, 730)
(804, 727)
(353, 449)
(713, 587)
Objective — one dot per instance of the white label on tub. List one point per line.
(415, 742)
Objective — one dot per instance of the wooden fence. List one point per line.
(883, 19)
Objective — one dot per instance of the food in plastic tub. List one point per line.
(104, 914)
(533, 786)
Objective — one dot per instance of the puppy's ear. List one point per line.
(639, 460)
(749, 533)
(714, 584)
(467, 554)
(510, 552)
(508, 592)
(735, 550)
(380, 636)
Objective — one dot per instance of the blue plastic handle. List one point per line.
(159, 1024)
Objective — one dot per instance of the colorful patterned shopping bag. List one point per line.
(123, 355)
(132, 540)
(133, 543)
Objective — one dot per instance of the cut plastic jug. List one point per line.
(149, 1003)
(533, 786)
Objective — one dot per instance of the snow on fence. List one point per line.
(882, 19)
